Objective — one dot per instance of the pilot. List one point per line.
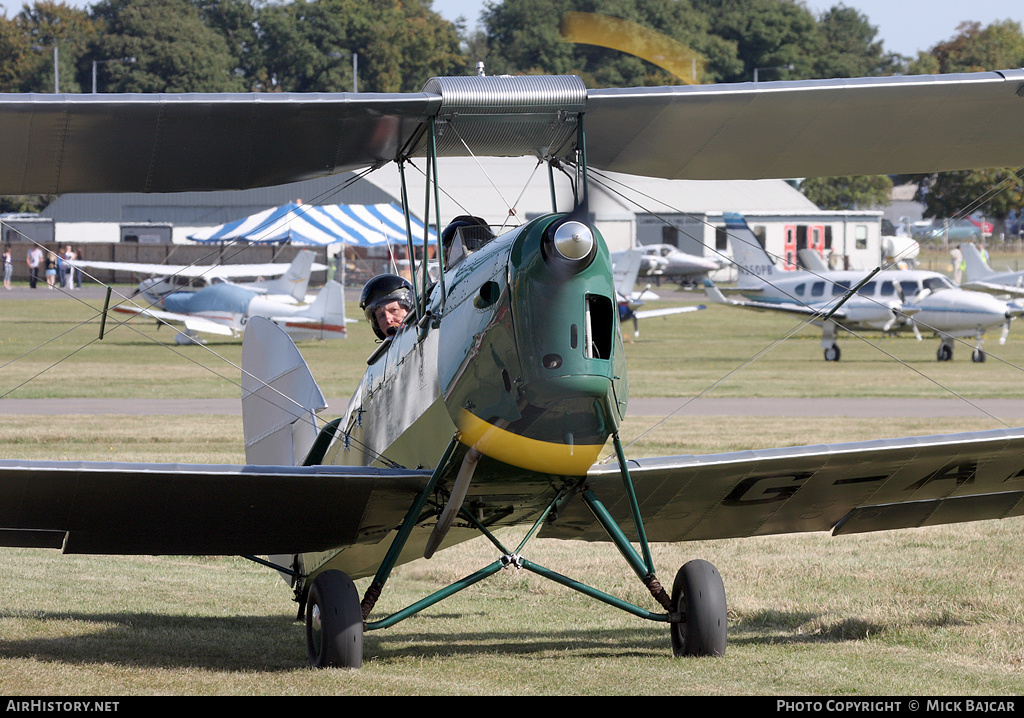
(386, 301)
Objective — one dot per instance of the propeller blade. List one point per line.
(454, 504)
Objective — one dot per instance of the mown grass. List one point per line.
(922, 612)
(50, 348)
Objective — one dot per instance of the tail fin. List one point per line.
(977, 268)
(323, 319)
(625, 269)
(295, 281)
(280, 398)
(753, 262)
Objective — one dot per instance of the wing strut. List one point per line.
(391, 558)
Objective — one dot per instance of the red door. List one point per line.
(789, 248)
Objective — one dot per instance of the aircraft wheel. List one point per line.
(978, 356)
(334, 622)
(945, 353)
(832, 353)
(699, 594)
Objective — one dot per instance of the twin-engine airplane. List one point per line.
(889, 300)
(493, 402)
(664, 260)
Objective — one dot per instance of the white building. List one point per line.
(628, 210)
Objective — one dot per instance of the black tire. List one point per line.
(334, 622)
(978, 356)
(832, 353)
(945, 353)
(699, 594)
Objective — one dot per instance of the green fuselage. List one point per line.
(521, 360)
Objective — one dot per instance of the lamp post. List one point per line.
(101, 62)
(777, 67)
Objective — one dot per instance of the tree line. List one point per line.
(396, 45)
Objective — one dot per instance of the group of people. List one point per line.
(55, 266)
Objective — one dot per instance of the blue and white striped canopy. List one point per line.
(356, 224)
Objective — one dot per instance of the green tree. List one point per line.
(848, 46)
(308, 46)
(14, 47)
(524, 36)
(992, 192)
(845, 193)
(43, 25)
(174, 50)
(237, 22)
(779, 37)
(976, 49)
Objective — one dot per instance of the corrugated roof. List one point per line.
(485, 187)
(210, 208)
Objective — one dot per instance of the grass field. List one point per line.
(921, 612)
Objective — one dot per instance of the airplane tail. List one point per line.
(280, 401)
(295, 281)
(753, 262)
(977, 268)
(323, 319)
(625, 270)
(280, 398)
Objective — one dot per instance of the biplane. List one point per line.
(492, 404)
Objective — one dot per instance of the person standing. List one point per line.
(34, 261)
(8, 267)
(67, 268)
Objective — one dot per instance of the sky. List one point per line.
(904, 26)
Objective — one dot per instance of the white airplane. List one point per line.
(226, 309)
(664, 260)
(625, 269)
(889, 300)
(289, 285)
(981, 277)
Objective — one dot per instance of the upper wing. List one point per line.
(809, 128)
(120, 508)
(846, 488)
(164, 143)
(167, 143)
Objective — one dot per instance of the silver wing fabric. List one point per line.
(810, 128)
(166, 143)
(844, 488)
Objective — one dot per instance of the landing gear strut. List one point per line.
(695, 611)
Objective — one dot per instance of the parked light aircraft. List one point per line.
(664, 260)
(981, 277)
(889, 301)
(625, 269)
(225, 308)
(289, 285)
(492, 404)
